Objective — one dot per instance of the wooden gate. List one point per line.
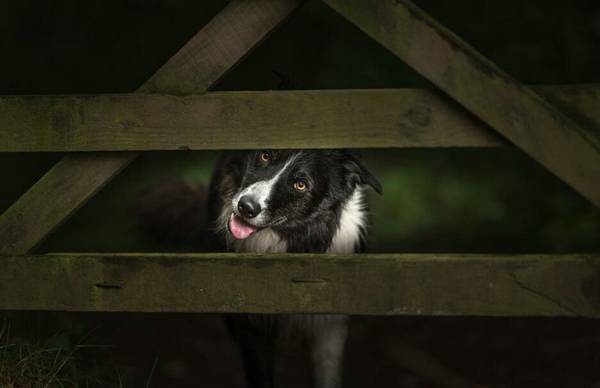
(173, 110)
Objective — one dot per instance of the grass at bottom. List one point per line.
(50, 362)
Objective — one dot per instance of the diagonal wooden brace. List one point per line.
(202, 62)
(518, 113)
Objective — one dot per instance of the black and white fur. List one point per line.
(328, 216)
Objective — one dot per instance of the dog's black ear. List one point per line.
(358, 174)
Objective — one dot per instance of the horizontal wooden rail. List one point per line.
(386, 284)
(271, 119)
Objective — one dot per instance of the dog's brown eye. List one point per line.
(264, 157)
(300, 185)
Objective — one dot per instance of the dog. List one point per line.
(283, 201)
(274, 201)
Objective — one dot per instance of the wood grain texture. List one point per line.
(514, 110)
(228, 120)
(385, 284)
(272, 119)
(225, 41)
(239, 27)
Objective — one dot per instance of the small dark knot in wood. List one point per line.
(106, 286)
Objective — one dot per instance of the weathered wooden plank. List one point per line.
(580, 101)
(387, 284)
(514, 110)
(226, 39)
(309, 119)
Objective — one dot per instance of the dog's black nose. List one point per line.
(248, 207)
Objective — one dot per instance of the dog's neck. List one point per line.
(346, 232)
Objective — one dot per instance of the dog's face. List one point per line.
(287, 189)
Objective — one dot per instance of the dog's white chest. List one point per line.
(263, 241)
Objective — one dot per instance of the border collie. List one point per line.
(280, 201)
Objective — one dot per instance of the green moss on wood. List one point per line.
(382, 284)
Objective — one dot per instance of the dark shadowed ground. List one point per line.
(192, 350)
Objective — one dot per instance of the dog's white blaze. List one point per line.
(352, 224)
(261, 191)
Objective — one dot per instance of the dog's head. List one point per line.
(285, 189)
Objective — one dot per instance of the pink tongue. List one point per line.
(239, 229)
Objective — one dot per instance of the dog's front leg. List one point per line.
(256, 335)
(328, 338)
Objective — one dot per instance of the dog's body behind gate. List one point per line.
(280, 201)
(309, 201)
